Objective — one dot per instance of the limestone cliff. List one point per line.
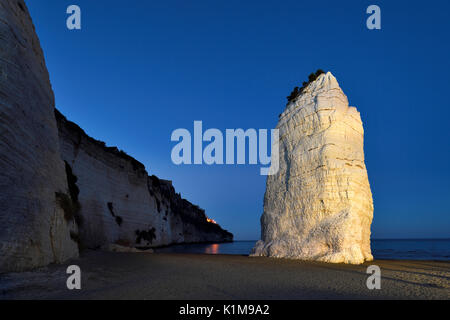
(97, 196)
(119, 202)
(33, 230)
(319, 205)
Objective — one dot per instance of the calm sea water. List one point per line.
(414, 249)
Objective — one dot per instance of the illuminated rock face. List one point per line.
(33, 230)
(319, 205)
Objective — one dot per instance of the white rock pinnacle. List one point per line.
(319, 205)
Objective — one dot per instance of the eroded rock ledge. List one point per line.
(120, 203)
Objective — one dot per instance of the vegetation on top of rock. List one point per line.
(298, 91)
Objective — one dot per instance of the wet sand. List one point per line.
(107, 275)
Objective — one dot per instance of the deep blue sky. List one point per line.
(138, 70)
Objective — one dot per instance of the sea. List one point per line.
(392, 249)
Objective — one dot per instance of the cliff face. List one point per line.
(319, 205)
(119, 202)
(33, 230)
(98, 196)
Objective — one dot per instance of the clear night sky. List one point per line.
(140, 69)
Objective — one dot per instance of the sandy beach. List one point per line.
(108, 275)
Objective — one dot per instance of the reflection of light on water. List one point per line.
(212, 249)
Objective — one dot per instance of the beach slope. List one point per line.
(107, 275)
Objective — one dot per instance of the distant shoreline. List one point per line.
(397, 249)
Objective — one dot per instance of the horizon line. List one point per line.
(373, 239)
